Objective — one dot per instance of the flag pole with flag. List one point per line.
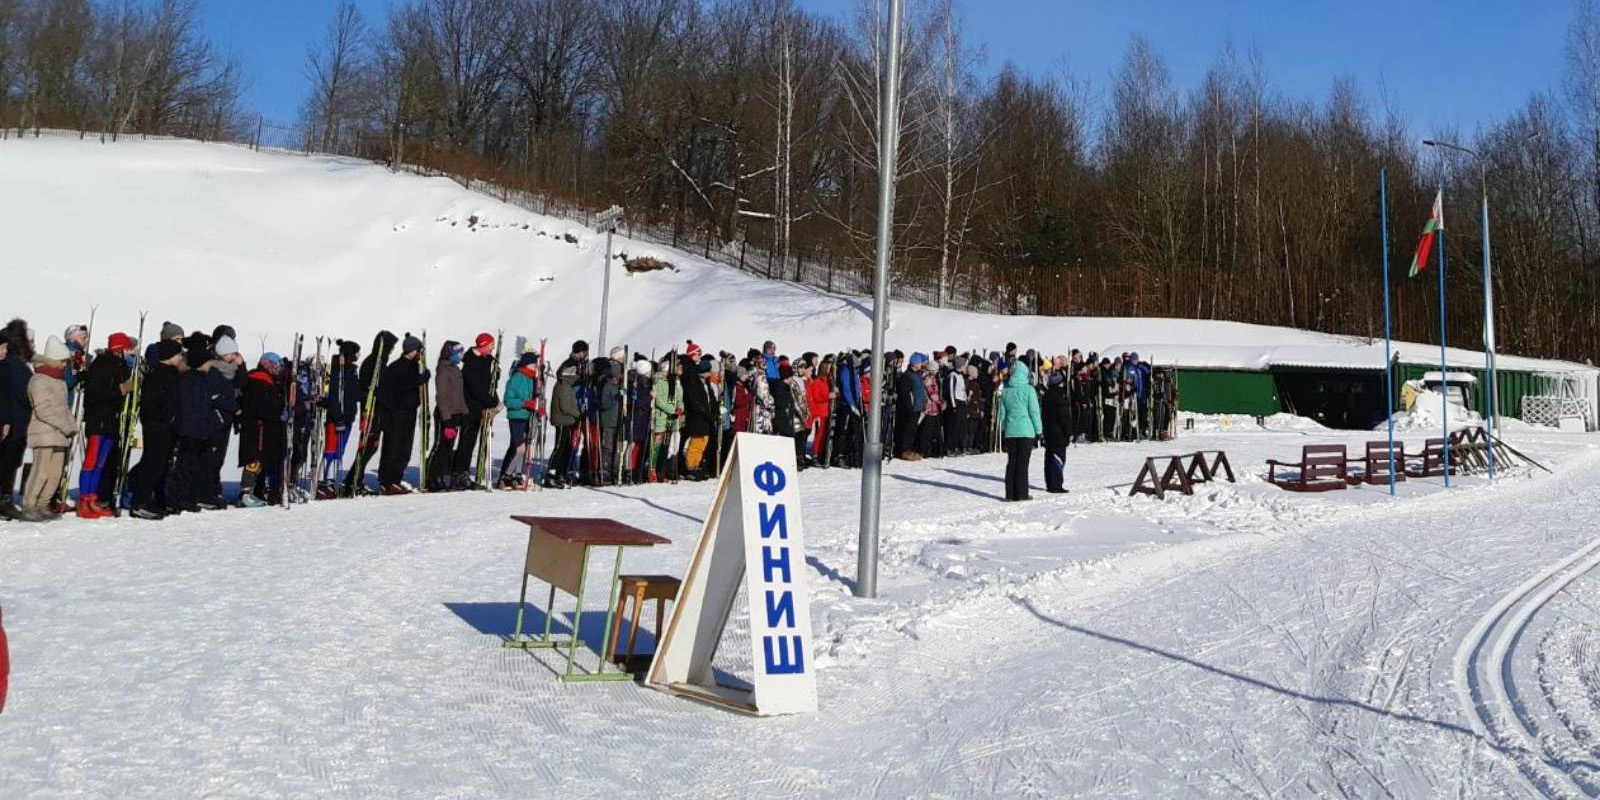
(1431, 232)
(1388, 335)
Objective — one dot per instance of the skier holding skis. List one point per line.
(451, 412)
(399, 397)
(262, 438)
(340, 404)
(158, 417)
(642, 380)
(522, 408)
(105, 384)
(367, 380)
(483, 403)
(565, 416)
(697, 413)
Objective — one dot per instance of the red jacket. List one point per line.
(741, 407)
(817, 396)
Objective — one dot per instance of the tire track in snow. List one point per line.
(1488, 690)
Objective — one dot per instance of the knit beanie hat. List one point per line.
(170, 330)
(643, 367)
(411, 344)
(55, 350)
(226, 346)
(484, 341)
(580, 346)
(74, 330)
(349, 349)
(224, 332)
(272, 360)
(166, 349)
(120, 343)
(692, 351)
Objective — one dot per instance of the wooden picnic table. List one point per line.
(558, 554)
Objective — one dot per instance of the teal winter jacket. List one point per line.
(1019, 407)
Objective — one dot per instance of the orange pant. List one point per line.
(696, 451)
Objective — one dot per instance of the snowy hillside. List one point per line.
(274, 244)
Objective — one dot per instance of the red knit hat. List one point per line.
(692, 351)
(119, 343)
(484, 340)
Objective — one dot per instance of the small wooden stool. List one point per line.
(659, 588)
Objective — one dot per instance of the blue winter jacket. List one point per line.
(849, 387)
(1019, 406)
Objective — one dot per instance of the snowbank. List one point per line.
(1426, 413)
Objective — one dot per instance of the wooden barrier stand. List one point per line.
(1162, 474)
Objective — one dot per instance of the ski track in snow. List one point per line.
(1243, 642)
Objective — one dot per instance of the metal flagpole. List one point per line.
(1388, 340)
(1491, 397)
(1444, 359)
(872, 457)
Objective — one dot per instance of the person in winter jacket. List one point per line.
(340, 405)
(399, 398)
(608, 412)
(262, 438)
(565, 416)
(699, 419)
(641, 383)
(820, 393)
(105, 386)
(1056, 413)
(666, 418)
(911, 401)
(158, 419)
(478, 384)
(522, 409)
(206, 404)
(368, 381)
(1020, 426)
(450, 410)
(227, 365)
(50, 430)
(14, 411)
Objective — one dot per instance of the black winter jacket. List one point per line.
(399, 391)
(1056, 412)
(698, 418)
(205, 403)
(101, 385)
(261, 428)
(14, 408)
(158, 397)
(478, 382)
(344, 398)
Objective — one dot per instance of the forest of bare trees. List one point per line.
(753, 123)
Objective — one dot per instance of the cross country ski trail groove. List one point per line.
(1487, 686)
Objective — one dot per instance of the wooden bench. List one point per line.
(1430, 462)
(1378, 461)
(1162, 474)
(1321, 468)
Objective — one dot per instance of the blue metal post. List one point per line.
(1388, 343)
(1444, 347)
(1491, 396)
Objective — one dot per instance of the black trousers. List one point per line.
(186, 480)
(150, 480)
(1055, 459)
(907, 439)
(443, 455)
(209, 478)
(399, 434)
(561, 454)
(466, 455)
(1019, 450)
(12, 450)
(955, 426)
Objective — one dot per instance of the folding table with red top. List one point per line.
(558, 554)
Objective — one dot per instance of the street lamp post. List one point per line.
(872, 451)
(607, 221)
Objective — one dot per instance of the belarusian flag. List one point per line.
(1419, 262)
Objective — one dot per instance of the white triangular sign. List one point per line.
(753, 535)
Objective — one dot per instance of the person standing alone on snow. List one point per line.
(1021, 426)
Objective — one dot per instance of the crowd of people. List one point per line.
(614, 419)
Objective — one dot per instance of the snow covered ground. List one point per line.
(1242, 642)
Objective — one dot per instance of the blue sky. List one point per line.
(1439, 63)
